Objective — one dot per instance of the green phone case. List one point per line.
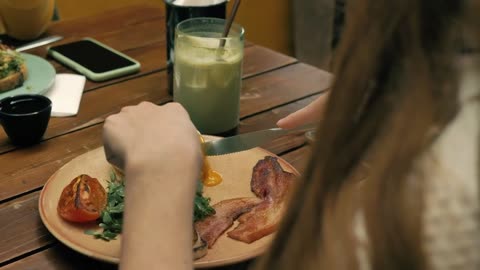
(97, 76)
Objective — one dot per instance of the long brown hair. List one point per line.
(395, 91)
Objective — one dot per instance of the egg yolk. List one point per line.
(209, 177)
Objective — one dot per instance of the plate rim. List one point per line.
(115, 260)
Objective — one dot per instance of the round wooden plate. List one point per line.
(236, 170)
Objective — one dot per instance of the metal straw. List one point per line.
(229, 22)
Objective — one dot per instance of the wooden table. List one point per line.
(274, 85)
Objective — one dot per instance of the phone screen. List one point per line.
(92, 56)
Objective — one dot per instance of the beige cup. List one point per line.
(25, 19)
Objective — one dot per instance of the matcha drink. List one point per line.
(207, 79)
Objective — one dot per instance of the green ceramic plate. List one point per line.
(41, 76)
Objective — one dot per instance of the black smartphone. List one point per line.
(94, 59)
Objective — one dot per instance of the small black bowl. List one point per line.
(25, 118)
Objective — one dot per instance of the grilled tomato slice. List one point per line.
(82, 200)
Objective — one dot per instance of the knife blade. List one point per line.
(38, 43)
(249, 140)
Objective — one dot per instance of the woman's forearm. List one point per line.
(157, 237)
(159, 149)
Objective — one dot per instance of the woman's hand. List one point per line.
(151, 135)
(311, 113)
(159, 149)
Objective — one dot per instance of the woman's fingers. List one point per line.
(311, 113)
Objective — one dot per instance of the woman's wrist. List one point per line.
(163, 175)
(160, 162)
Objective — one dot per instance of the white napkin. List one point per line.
(66, 94)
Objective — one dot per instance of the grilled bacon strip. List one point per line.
(269, 180)
(226, 212)
(257, 217)
(271, 183)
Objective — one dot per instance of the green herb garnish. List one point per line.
(10, 62)
(202, 208)
(111, 219)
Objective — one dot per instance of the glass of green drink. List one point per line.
(207, 73)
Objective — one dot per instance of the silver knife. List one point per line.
(249, 140)
(38, 43)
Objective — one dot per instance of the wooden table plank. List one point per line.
(291, 83)
(21, 217)
(97, 105)
(60, 257)
(258, 60)
(113, 20)
(32, 166)
(299, 157)
(36, 229)
(28, 169)
(143, 33)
